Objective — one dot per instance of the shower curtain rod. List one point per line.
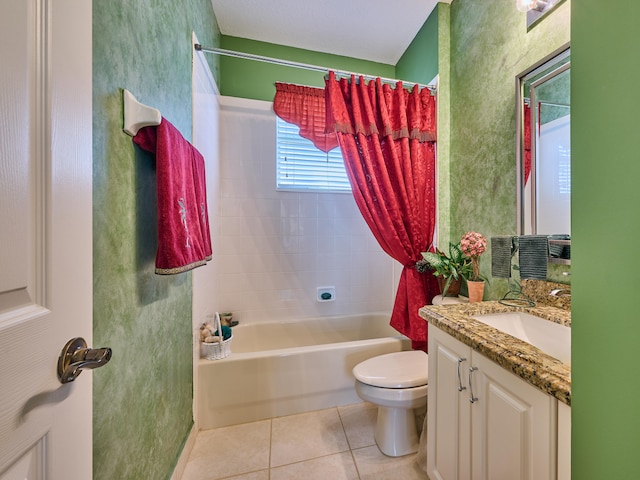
(305, 66)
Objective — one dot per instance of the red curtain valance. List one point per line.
(305, 107)
(386, 111)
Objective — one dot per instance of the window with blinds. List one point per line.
(302, 167)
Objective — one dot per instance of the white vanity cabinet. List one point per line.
(485, 423)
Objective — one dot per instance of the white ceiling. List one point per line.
(375, 30)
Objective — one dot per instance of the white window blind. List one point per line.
(302, 167)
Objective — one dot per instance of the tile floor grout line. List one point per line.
(270, 446)
(355, 464)
(311, 459)
(353, 457)
(344, 429)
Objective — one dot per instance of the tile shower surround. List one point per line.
(272, 249)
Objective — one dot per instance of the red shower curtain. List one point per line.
(527, 141)
(387, 137)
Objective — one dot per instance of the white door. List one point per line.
(45, 236)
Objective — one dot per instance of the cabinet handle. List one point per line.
(472, 398)
(460, 387)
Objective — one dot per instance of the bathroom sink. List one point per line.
(550, 337)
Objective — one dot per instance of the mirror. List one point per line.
(544, 153)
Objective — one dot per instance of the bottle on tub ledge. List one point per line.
(226, 318)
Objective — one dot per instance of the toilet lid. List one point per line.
(394, 370)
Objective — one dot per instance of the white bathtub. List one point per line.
(281, 368)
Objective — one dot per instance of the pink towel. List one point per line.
(184, 241)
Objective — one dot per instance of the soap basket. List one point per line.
(218, 350)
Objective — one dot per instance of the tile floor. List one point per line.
(336, 443)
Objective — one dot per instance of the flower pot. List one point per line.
(475, 290)
(454, 286)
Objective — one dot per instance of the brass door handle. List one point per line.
(75, 357)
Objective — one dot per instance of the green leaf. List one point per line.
(454, 265)
(445, 288)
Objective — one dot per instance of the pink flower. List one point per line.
(473, 245)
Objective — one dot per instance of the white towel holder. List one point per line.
(137, 115)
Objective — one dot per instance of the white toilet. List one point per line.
(397, 384)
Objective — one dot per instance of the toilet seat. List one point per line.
(394, 370)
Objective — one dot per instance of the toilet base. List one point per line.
(396, 433)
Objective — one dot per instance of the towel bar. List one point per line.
(137, 115)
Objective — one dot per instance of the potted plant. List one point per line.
(473, 245)
(449, 269)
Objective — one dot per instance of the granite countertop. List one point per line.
(524, 360)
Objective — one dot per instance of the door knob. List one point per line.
(75, 357)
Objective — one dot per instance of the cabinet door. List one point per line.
(513, 426)
(449, 409)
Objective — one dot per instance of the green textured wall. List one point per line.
(143, 401)
(605, 223)
(252, 79)
(489, 46)
(419, 63)
(443, 202)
